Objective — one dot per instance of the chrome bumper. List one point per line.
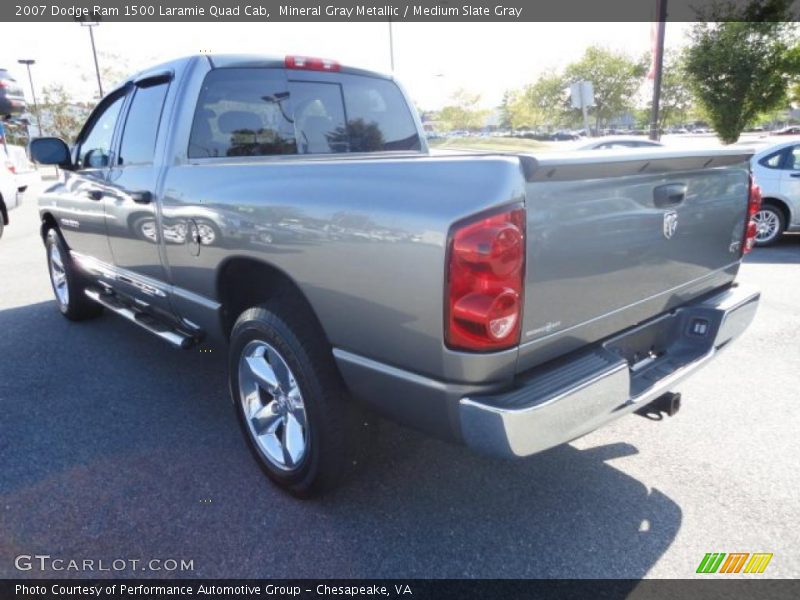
(566, 400)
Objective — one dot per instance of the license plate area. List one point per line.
(659, 348)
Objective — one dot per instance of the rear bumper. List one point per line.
(565, 400)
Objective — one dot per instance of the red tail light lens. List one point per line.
(753, 206)
(309, 63)
(486, 263)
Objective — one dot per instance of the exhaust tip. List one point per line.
(667, 404)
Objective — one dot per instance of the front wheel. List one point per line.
(68, 284)
(290, 399)
(770, 224)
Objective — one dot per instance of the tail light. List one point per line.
(753, 206)
(309, 63)
(483, 298)
(10, 166)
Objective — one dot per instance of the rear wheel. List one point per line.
(770, 224)
(68, 283)
(290, 400)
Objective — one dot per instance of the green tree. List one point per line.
(61, 116)
(113, 71)
(463, 112)
(505, 110)
(520, 112)
(544, 103)
(741, 65)
(677, 99)
(616, 79)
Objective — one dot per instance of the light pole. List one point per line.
(658, 64)
(391, 46)
(91, 25)
(28, 62)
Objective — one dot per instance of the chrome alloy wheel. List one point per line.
(58, 276)
(273, 405)
(206, 234)
(149, 230)
(767, 225)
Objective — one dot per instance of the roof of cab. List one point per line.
(222, 61)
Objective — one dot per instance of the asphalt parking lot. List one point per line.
(114, 445)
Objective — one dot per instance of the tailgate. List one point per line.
(617, 237)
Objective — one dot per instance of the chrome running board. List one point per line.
(142, 319)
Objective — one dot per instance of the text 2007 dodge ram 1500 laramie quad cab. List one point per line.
(290, 210)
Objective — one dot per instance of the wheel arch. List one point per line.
(781, 205)
(48, 223)
(243, 282)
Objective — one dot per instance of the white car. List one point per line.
(10, 189)
(776, 169)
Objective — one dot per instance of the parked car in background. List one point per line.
(12, 100)
(610, 143)
(10, 188)
(776, 169)
(564, 136)
(791, 130)
(24, 169)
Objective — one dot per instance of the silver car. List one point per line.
(776, 169)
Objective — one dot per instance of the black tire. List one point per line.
(333, 423)
(75, 306)
(776, 213)
(2, 225)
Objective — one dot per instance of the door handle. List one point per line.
(794, 175)
(669, 194)
(141, 197)
(95, 194)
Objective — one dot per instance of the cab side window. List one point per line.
(141, 125)
(243, 112)
(95, 147)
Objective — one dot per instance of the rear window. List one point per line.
(360, 114)
(256, 112)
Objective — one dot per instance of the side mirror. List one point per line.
(96, 158)
(51, 151)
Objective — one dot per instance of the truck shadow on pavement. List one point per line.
(114, 445)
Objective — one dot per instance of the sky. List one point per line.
(432, 60)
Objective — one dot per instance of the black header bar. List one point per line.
(412, 589)
(342, 10)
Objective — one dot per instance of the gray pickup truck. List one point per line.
(290, 211)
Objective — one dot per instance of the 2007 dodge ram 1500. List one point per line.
(290, 209)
